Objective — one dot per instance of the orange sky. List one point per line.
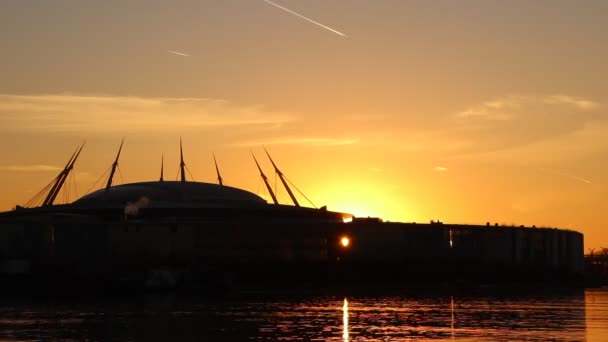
(467, 112)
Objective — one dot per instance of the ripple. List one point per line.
(578, 317)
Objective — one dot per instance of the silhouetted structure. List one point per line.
(596, 267)
(179, 233)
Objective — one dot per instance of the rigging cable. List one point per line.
(37, 199)
(188, 170)
(301, 193)
(75, 186)
(122, 180)
(97, 181)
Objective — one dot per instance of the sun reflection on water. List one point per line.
(452, 316)
(345, 320)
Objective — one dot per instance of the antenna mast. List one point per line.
(50, 198)
(181, 163)
(162, 164)
(219, 177)
(276, 169)
(58, 178)
(114, 165)
(274, 198)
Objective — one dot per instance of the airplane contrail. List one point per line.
(178, 53)
(567, 175)
(574, 177)
(307, 19)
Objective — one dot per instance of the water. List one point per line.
(567, 317)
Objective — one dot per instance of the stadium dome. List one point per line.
(173, 194)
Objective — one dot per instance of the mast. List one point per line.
(276, 169)
(58, 178)
(61, 179)
(181, 163)
(162, 164)
(274, 198)
(219, 177)
(114, 165)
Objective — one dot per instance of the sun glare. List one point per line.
(366, 200)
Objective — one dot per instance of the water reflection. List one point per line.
(596, 314)
(572, 317)
(345, 320)
(452, 316)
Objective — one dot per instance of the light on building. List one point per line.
(345, 241)
(451, 238)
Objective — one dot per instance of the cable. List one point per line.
(97, 181)
(66, 189)
(37, 199)
(188, 170)
(301, 193)
(76, 187)
(122, 180)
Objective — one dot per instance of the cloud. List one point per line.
(440, 169)
(310, 141)
(103, 114)
(510, 107)
(578, 102)
(509, 122)
(30, 168)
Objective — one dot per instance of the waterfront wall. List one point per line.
(468, 245)
(92, 247)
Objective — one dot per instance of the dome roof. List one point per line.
(173, 194)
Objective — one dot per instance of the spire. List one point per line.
(114, 165)
(61, 178)
(219, 177)
(181, 163)
(274, 198)
(276, 169)
(162, 164)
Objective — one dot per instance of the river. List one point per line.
(575, 316)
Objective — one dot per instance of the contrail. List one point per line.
(574, 177)
(178, 53)
(567, 175)
(307, 19)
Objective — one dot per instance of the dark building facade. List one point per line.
(165, 234)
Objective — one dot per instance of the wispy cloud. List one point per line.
(311, 141)
(440, 169)
(508, 107)
(510, 122)
(29, 168)
(83, 113)
(578, 102)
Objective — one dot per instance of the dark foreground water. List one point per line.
(576, 316)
